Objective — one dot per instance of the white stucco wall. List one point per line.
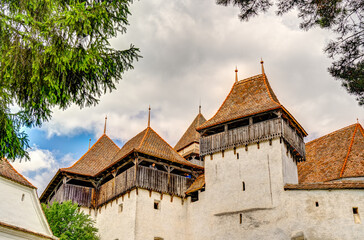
(167, 222)
(113, 224)
(26, 213)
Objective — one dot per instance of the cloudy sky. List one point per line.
(190, 50)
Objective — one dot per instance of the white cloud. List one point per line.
(190, 49)
(40, 169)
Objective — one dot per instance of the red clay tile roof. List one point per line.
(336, 155)
(325, 186)
(191, 135)
(6, 225)
(197, 184)
(7, 171)
(150, 143)
(97, 158)
(248, 97)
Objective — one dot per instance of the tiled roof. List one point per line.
(325, 186)
(7, 171)
(336, 155)
(9, 226)
(97, 158)
(247, 97)
(150, 143)
(191, 135)
(197, 184)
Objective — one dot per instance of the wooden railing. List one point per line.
(77, 194)
(146, 178)
(256, 132)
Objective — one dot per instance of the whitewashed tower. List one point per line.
(251, 147)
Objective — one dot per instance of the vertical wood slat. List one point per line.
(252, 133)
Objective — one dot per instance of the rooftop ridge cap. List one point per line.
(84, 153)
(184, 160)
(361, 129)
(347, 155)
(19, 175)
(314, 140)
(231, 90)
(111, 140)
(145, 135)
(249, 79)
(265, 79)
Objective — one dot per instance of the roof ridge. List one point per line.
(314, 140)
(18, 174)
(231, 90)
(350, 146)
(110, 140)
(145, 135)
(83, 154)
(182, 158)
(265, 79)
(249, 79)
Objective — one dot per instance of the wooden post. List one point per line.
(135, 161)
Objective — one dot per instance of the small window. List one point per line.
(243, 186)
(234, 150)
(241, 218)
(158, 238)
(222, 152)
(211, 156)
(22, 197)
(120, 207)
(356, 215)
(237, 156)
(355, 210)
(317, 204)
(157, 204)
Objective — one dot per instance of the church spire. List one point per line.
(105, 124)
(261, 62)
(149, 117)
(236, 74)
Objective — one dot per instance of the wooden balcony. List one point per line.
(77, 194)
(257, 132)
(146, 178)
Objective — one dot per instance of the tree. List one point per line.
(343, 17)
(54, 53)
(68, 223)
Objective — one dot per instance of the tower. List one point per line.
(251, 147)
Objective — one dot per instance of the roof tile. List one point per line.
(325, 156)
(9, 172)
(97, 158)
(191, 135)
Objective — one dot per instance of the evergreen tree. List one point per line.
(54, 53)
(344, 17)
(67, 222)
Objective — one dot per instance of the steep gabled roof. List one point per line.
(150, 143)
(7, 171)
(246, 98)
(339, 154)
(97, 158)
(191, 135)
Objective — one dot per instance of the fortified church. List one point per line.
(246, 173)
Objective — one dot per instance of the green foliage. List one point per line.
(54, 53)
(343, 17)
(68, 223)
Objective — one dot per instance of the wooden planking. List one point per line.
(77, 194)
(147, 178)
(256, 132)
